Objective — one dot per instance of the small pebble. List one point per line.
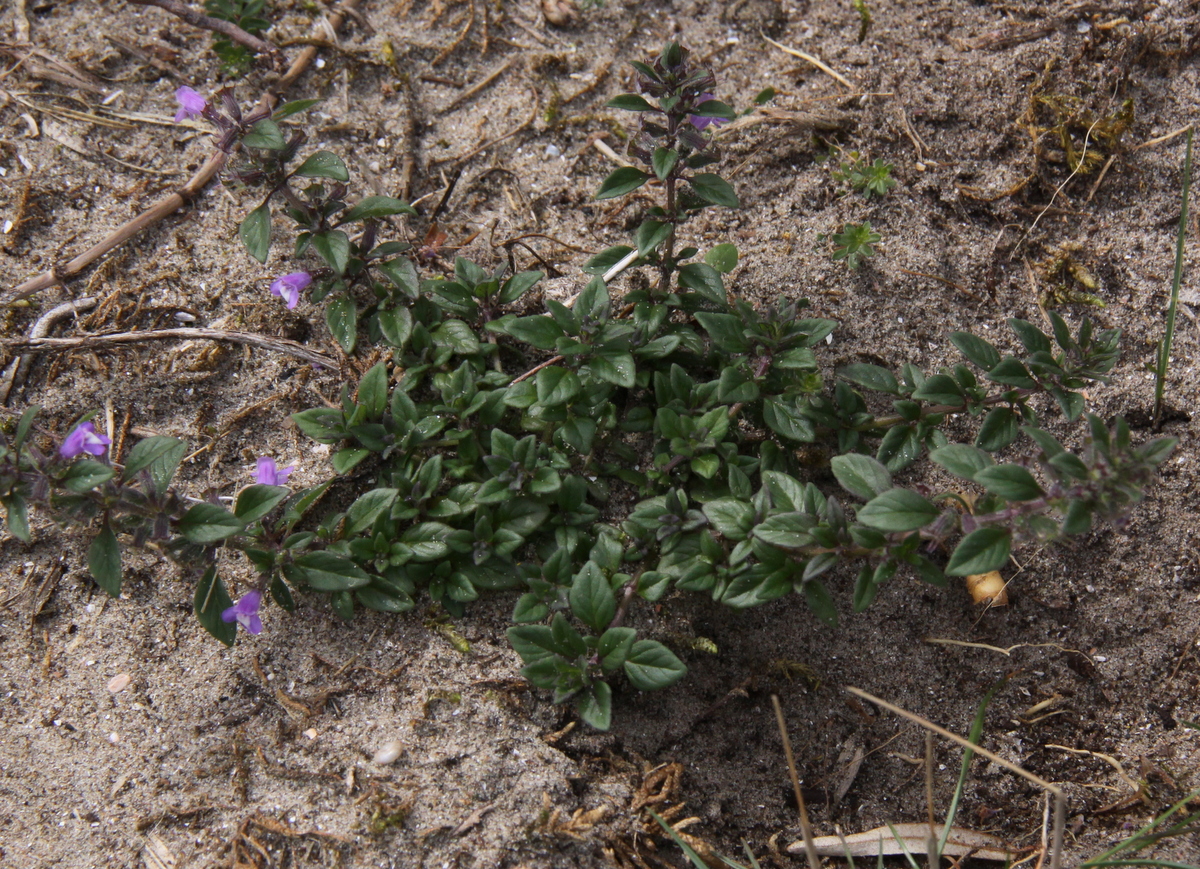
(119, 683)
(185, 317)
(553, 151)
(389, 753)
(114, 738)
(311, 733)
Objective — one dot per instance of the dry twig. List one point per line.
(216, 25)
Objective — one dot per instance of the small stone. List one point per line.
(389, 753)
(311, 733)
(119, 683)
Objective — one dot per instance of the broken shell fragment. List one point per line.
(988, 588)
(389, 753)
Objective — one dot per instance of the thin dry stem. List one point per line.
(216, 25)
(810, 849)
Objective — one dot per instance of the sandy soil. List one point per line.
(264, 755)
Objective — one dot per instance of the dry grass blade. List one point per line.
(1060, 800)
(805, 828)
(815, 61)
(913, 838)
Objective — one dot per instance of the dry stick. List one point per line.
(477, 87)
(1060, 799)
(535, 369)
(253, 339)
(56, 276)
(18, 367)
(805, 828)
(815, 61)
(225, 28)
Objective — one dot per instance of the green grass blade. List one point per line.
(968, 755)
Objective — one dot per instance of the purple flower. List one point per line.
(191, 104)
(288, 287)
(83, 439)
(702, 121)
(268, 474)
(245, 612)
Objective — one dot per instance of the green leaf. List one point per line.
(333, 246)
(210, 601)
(979, 351)
(650, 235)
(980, 551)
(962, 460)
(726, 331)
(255, 502)
(403, 276)
(382, 601)
(1000, 428)
(594, 705)
(86, 474)
(209, 523)
(293, 107)
(705, 280)
(344, 460)
(266, 134)
(375, 207)
(255, 233)
(662, 161)
(714, 109)
(324, 164)
(24, 425)
(898, 510)
(870, 377)
(541, 331)
(341, 316)
(556, 386)
(730, 517)
(1012, 372)
(630, 103)
(368, 507)
(615, 367)
(518, 285)
(373, 390)
(326, 571)
(817, 596)
(17, 514)
(624, 180)
(861, 475)
(706, 465)
(104, 561)
(715, 189)
(1011, 482)
(723, 258)
(396, 325)
(614, 647)
(940, 389)
(1034, 339)
(782, 420)
(652, 665)
(592, 599)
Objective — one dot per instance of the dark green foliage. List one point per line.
(611, 449)
(246, 14)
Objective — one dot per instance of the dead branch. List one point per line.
(253, 339)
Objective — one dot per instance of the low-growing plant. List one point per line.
(501, 447)
(855, 243)
(869, 179)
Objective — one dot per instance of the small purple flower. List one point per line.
(83, 439)
(288, 287)
(245, 612)
(268, 474)
(702, 121)
(191, 104)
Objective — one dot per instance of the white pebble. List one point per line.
(389, 753)
(553, 151)
(185, 317)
